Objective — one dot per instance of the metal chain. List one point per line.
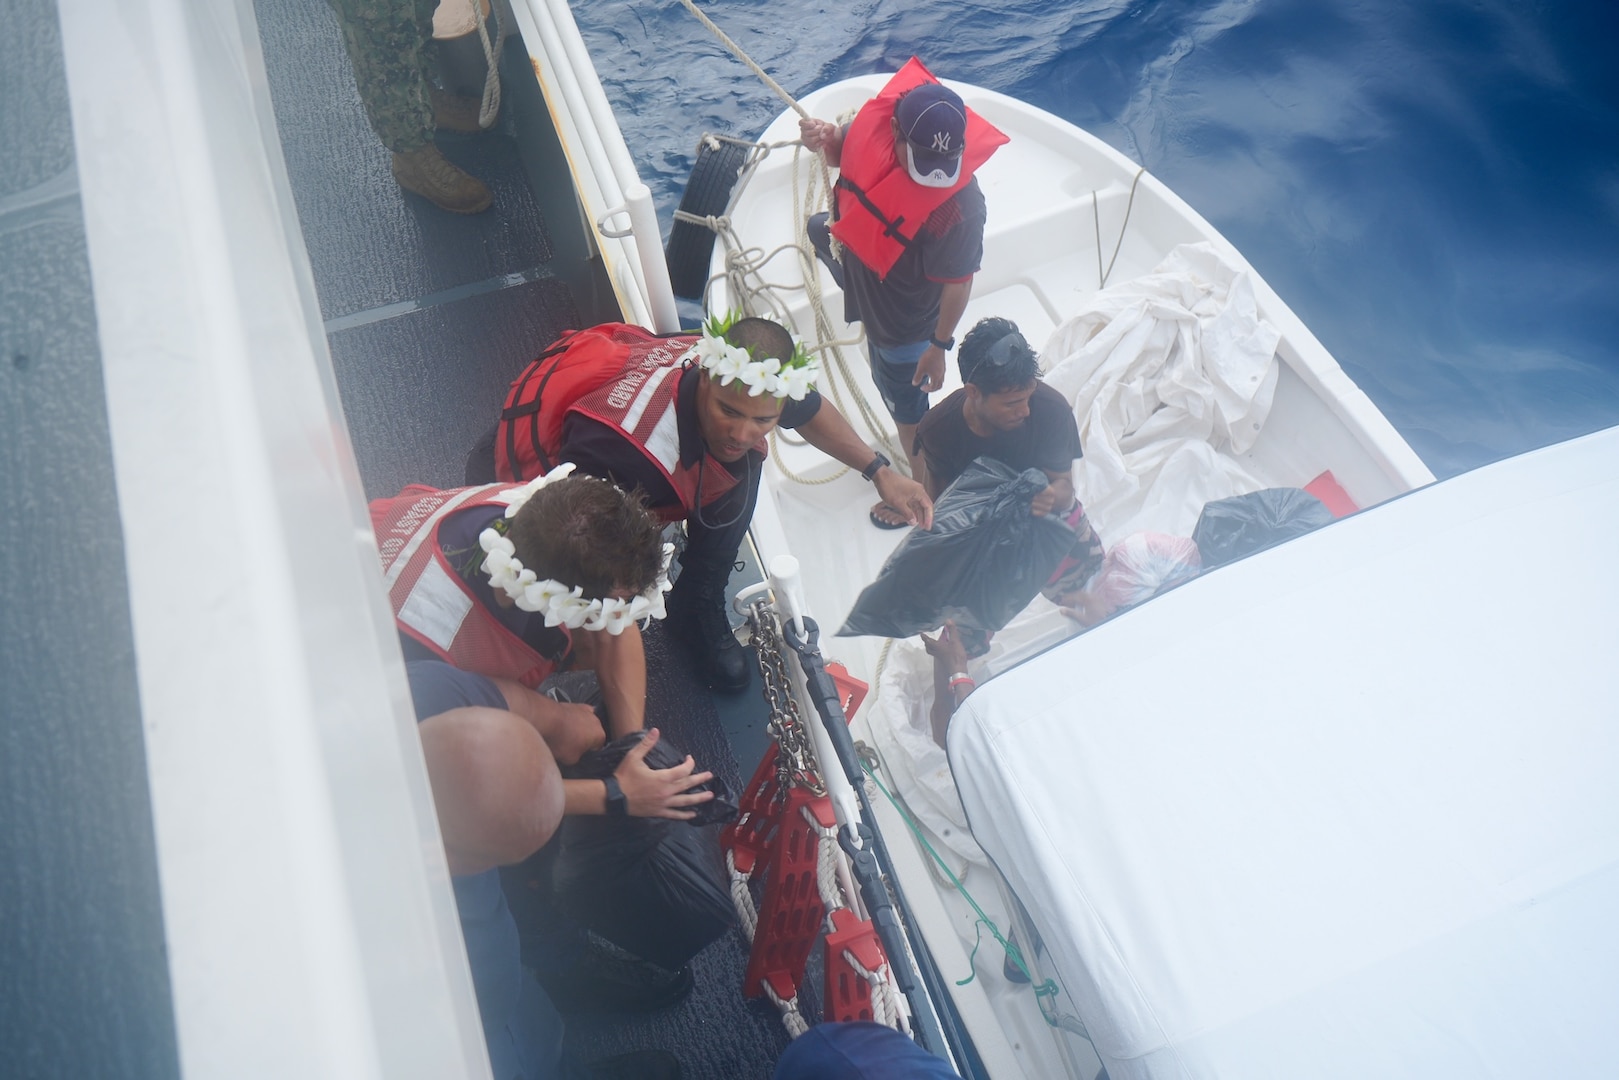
(795, 761)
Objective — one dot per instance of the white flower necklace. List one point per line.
(561, 605)
(791, 378)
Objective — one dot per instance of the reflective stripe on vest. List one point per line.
(616, 357)
(650, 421)
(431, 603)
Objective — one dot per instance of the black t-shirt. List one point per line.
(1048, 439)
(602, 451)
(903, 308)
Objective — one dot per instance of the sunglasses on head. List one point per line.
(1007, 349)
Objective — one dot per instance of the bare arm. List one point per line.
(831, 434)
(952, 305)
(568, 729)
(619, 661)
(949, 658)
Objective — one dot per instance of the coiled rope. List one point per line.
(744, 269)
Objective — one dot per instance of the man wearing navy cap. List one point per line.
(910, 217)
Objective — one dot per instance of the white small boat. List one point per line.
(1201, 916)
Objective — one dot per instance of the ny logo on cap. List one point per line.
(941, 142)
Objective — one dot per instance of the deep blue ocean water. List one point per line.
(1432, 185)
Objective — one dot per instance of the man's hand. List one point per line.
(659, 792)
(1043, 503)
(929, 370)
(1085, 608)
(568, 730)
(1058, 495)
(821, 136)
(906, 496)
(946, 648)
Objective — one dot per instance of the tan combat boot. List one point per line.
(453, 112)
(428, 174)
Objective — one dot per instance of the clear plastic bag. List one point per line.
(1142, 565)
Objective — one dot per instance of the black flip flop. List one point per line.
(881, 524)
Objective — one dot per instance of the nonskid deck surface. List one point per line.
(429, 316)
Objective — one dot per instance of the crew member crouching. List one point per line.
(683, 420)
(506, 580)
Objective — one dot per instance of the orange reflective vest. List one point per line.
(431, 602)
(880, 208)
(624, 377)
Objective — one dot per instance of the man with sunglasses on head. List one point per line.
(1003, 411)
(909, 216)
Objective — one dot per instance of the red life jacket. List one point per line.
(880, 208)
(430, 600)
(624, 377)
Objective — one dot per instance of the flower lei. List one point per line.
(790, 378)
(561, 605)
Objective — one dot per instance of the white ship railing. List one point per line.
(616, 203)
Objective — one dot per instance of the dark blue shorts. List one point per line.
(892, 369)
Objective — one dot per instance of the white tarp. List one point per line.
(1171, 376)
(1344, 809)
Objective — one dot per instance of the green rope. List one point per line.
(1046, 991)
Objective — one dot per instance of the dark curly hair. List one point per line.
(1018, 366)
(587, 532)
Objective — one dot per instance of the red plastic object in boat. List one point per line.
(1332, 494)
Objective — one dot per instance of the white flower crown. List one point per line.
(792, 378)
(561, 605)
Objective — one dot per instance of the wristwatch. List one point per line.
(947, 344)
(617, 804)
(870, 471)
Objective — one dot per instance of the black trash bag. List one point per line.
(652, 886)
(982, 562)
(1230, 528)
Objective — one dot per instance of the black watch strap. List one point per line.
(617, 804)
(947, 344)
(870, 471)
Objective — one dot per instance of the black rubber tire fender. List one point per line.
(708, 191)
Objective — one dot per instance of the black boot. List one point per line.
(698, 619)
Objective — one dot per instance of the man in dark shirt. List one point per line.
(1003, 411)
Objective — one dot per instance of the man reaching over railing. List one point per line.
(683, 420)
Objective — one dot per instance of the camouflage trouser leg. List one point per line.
(391, 45)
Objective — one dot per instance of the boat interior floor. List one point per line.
(429, 315)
